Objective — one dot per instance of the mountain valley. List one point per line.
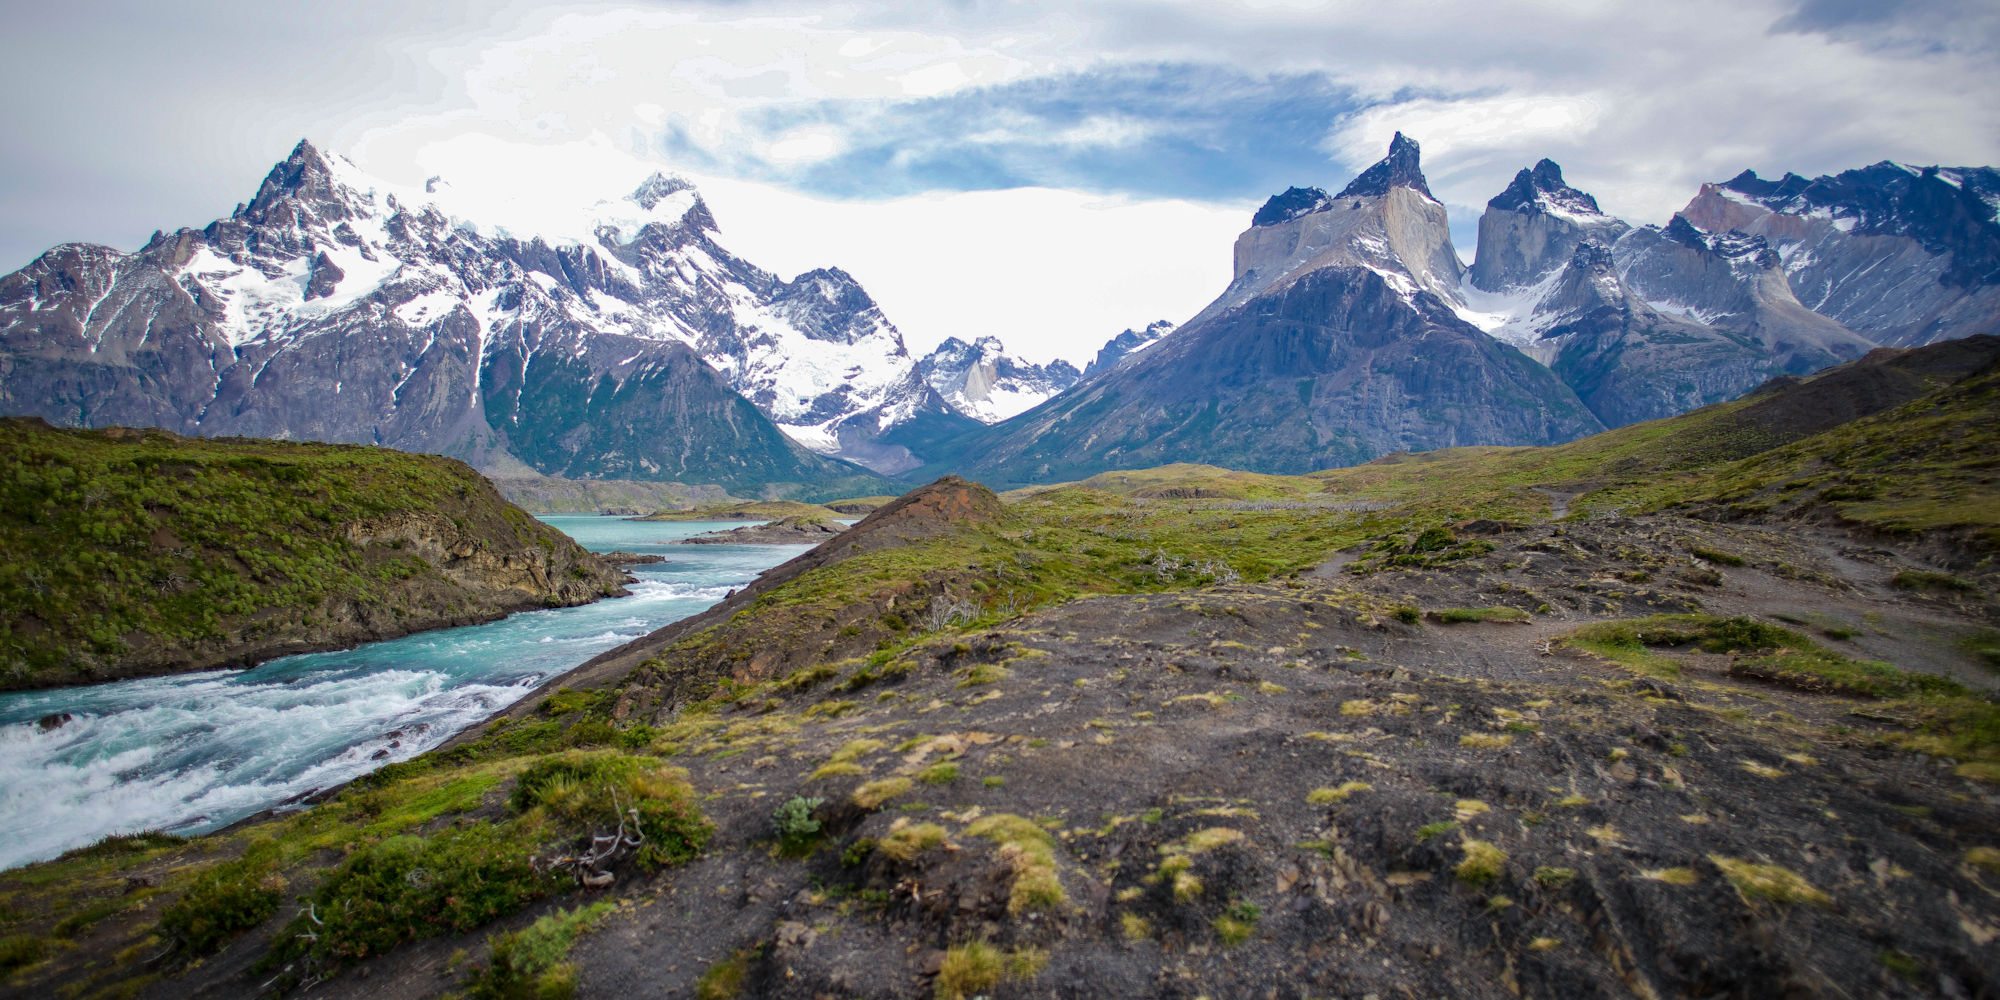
(1698, 705)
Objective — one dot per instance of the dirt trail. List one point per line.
(1558, 501)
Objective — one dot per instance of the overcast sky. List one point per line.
(1033, 170)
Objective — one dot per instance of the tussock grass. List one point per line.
(1455, 616)
(1331, 796)
(1483, 863)
(973, 968)
(875, 794)
(1030, 852)
(1774, 883)
(905, 840)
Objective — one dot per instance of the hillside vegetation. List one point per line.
(1698, 707)
(139, 552)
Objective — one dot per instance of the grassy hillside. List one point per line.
(1682, 709)
(134, 552)
(1895, 443)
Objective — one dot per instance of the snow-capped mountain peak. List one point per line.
(1125, 345)
(1400, 168)
(326, 250)
(1541, 189)
(984, 382)
(658, 187)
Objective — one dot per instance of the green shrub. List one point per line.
(532, 964)
(1922, 579)
(794, 824)
(590, 792)
(1432, 540)
(1717, 556)
(222, 903)
(1454, 616)
(20, 950)
(1549, 877)
(410, 888)
(726, 979)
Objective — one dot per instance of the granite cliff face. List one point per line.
(621, 341)
(1336, 342)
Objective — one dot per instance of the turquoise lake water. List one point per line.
(196, 752)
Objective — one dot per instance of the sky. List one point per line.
(1049, 173)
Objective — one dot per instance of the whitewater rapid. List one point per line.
(195, 752)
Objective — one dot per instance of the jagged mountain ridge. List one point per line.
(1642, 322)
(1126, 344)
(333, 306)
(1336, 341)
(984, 382)
(1903, 255)
(337, 308)
(1633, 323)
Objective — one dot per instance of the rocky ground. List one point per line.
(1284, 790)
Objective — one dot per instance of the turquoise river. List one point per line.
(195, 752)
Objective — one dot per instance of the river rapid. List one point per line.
(195, 752)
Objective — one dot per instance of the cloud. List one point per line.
(1920, 26)
(1170, 110)
(1160, 130)
(1053, 273)
(810, 144)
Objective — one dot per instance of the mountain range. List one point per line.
(618, 340)
(621, 340)
(1352, 330)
